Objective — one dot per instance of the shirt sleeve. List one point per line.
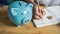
(3, 2)
(7, 2)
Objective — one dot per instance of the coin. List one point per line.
(49, 17)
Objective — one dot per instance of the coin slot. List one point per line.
(19, 3)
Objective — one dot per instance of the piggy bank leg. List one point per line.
(18, 26)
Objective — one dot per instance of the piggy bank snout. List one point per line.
(25, 21)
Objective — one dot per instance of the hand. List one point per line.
(38, 12)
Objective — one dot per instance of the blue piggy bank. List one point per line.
(20, 12)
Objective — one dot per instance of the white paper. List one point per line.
(55, 11)
(50, 11)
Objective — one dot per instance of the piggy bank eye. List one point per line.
(25, 12)
(21, 13)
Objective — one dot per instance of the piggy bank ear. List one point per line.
(14, 11)
(31, 5)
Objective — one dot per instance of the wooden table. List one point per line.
(7, 27)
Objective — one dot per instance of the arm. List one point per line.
(37, 10)
(31, 1)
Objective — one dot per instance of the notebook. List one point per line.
(54, 12)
